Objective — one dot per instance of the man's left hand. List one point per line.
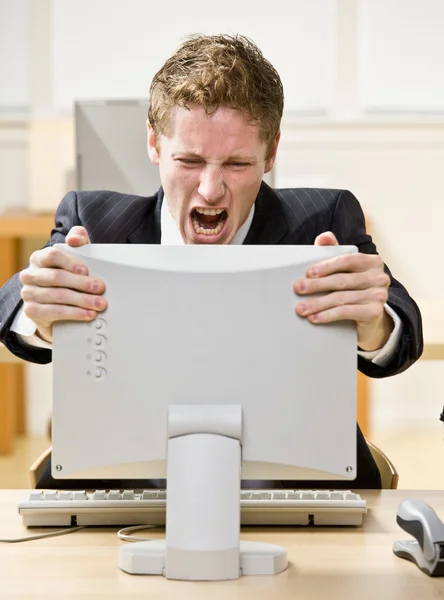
(358, 290)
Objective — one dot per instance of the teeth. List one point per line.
(209, 211)
(201, 230)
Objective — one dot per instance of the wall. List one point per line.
(364, 110)
(394, 170)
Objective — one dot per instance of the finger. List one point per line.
(52, 295)
(342, 281)
(322, 303)
(348, 263)
(326, 239)
(53, 257)
(77, 236)
(50, 313)
(47, 277)
(360, 313)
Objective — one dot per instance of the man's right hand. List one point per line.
(57, 287)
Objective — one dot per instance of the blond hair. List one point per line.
(218, 70)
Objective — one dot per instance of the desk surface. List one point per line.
(334, 563)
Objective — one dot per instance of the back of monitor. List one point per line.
(203, 325)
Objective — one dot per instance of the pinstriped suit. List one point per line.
(291, 216)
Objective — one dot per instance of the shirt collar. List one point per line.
(170, 234)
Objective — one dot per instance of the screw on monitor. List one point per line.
(59, 467)
(349, 469)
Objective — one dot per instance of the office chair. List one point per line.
(38, 466)
(389, 474)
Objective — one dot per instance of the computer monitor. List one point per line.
(201, 370)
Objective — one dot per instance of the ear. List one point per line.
(269, 163)
(153, 152)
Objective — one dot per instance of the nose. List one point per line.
(211, 186)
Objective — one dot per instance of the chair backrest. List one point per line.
(38, 466)
(389, 474)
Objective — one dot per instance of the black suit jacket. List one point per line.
(288, 216)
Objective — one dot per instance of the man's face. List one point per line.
(211, 168)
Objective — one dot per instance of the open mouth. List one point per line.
(208, 221)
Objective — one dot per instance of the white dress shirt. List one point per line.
(170, 235)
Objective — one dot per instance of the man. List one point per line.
(213, 130)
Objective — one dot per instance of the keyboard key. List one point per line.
(79, 495)
(336, 496)
(148, 495)
(36, 496)
(350, 496)
(161, 495)
(99, 495)
(279, 496)
(322, 495)
(114, 495)
(128, 495)
(50, 495)
(65, 495)
(307, 495)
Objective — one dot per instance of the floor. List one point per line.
(417, 455)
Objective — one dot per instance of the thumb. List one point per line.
(326, 239)
(77, 236)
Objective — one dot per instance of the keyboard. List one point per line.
(123, 508)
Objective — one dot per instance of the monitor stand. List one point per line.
(203, 505)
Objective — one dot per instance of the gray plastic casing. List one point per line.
(203, 325)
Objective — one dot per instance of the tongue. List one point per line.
(208, 221)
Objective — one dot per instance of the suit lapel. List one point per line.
(148, 230)
(269, 225)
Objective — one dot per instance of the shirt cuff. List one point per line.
(26, 329)
(383, 356)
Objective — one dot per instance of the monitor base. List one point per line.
(149, 558)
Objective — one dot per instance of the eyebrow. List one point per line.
(235, 157)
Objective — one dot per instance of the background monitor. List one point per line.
(111, 147)
(199, 325)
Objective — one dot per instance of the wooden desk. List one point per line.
(334, 563)
(15, 227)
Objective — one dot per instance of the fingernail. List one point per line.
(96, 287)
(80, 270)
(99, 302)
(301, 286)
(302, 309)
(313, 272)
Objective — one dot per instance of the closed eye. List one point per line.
(197, 161)
(189, 161)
